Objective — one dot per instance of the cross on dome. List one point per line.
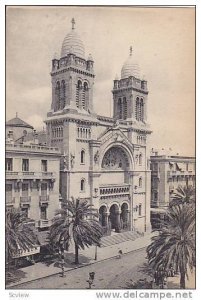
(131, 50)
(73, 23)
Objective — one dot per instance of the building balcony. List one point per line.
(170, 174)
(44, 198)
(44, 223)
(29, 175)
(10, 200)
(25, 199)
(113, 189)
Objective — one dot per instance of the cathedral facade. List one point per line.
(104, 159)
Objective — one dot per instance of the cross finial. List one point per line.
(131, 50)
(73, 23)
(16, 114)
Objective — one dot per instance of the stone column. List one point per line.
(118, 223)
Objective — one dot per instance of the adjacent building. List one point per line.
(32, 181)
(104, 159)
(168, 172)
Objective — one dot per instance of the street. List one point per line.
(109, 274)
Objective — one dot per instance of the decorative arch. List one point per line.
(115, 158)
(120, 108)
(78, 92)
(63, 94)
(57, 96)
(137, 105)
(85, 95)
(123, 146)
(125, 108)
(141, 109)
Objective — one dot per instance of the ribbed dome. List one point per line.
(130, 67)
(73, 44)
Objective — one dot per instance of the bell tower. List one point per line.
(72, 77)
(130, 93)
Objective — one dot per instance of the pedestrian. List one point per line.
(120, 254)
(172, 271)
(91, 279)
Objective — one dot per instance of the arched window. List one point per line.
(120, 109)
(63, 95)
(57, 96)
(141, 110)
(140, 182)
(78, 92)
(137, 104)
(140, 159)
(82, 185)
(125, 108)
(85, 95)
(82, 157)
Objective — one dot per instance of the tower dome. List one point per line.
(130, 67)
(72, 43)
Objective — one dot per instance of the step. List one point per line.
(119, 238)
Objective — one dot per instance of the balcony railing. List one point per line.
(111, 189)
(44, 198)
(29, 175)
(10, 200)
(44, 223)
(25, 199)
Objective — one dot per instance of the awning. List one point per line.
(179, 166)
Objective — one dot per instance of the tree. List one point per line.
(175, 243)
(77, 220)
(185, 194)
(19, 234)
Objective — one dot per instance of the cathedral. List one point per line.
(104, 159)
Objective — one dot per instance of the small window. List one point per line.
(25, 165)
(140, 209)
(43, 212)
(82, 158)
(140, 159)
(44, 189)
(9, 164)
(82, 185)
(25, 211)
(44, 165)
(140, 182)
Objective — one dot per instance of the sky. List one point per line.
(163, 41)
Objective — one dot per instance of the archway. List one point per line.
(125, 220)
(103, 216)
(115, 217)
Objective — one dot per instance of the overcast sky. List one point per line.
(163, 44)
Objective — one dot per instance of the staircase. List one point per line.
(119, 238)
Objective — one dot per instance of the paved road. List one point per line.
(109, 274)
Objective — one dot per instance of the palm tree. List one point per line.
(185, 194)
(175, 243)
(78, 220)
(19, 234)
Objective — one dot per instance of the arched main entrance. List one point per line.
(114, 217)
(103, 216)
(125, 217)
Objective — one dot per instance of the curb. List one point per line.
(78, 267)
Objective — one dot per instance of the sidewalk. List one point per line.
(86, 257)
